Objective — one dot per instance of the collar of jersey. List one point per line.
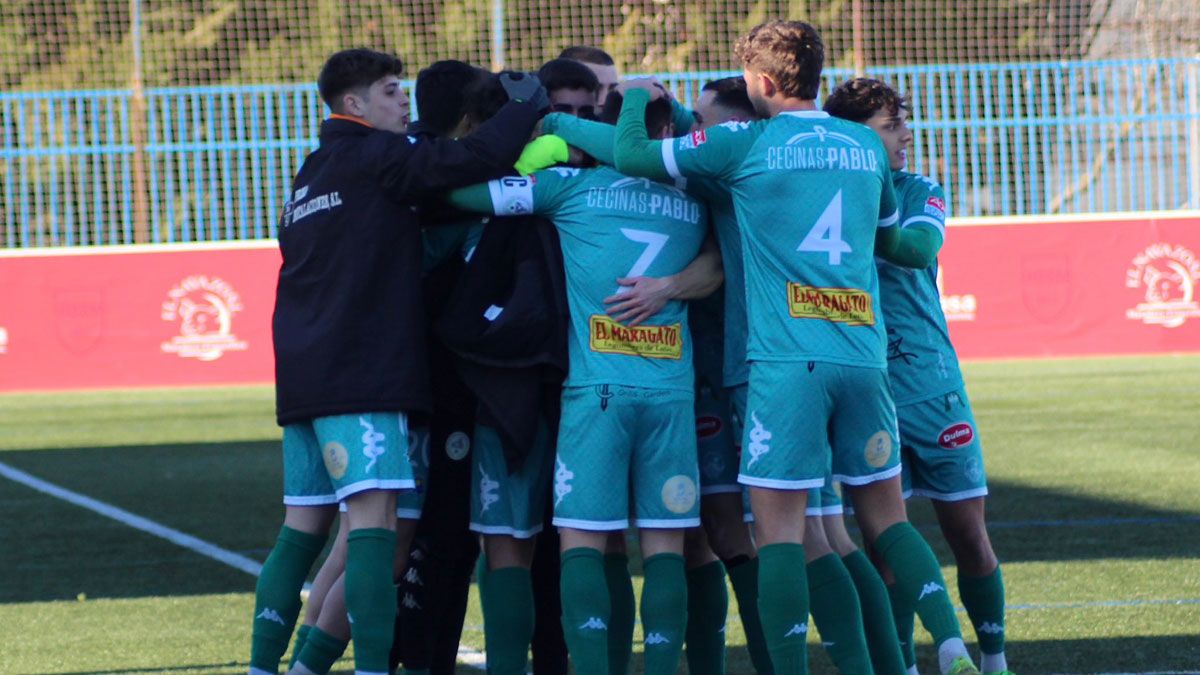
(816, 114)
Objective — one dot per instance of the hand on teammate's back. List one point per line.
(523, 87)
(638, 299)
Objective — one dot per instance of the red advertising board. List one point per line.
(201, 314)
(1073, 287)
(137, 316)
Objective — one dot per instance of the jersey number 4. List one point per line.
(826, 235)
(654, 241)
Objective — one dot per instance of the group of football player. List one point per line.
(567, 297)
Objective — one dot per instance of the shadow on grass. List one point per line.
(199, 667)
(229, 494)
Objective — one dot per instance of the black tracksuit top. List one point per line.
(349, 327)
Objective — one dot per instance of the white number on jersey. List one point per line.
(826, 235)
(654, 241)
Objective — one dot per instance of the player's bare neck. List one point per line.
(782, 105)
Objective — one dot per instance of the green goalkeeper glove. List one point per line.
(540, 153)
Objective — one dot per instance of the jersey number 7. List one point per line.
(826, 234)
(654, 241)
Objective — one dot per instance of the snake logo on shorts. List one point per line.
(371, 440)
(758, 440)
(879, 449)
(562, 481)
(487, 491)
(605, 395)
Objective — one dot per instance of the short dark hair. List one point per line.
(858, 99)
(790, 52)
(441, 93)
(730, 93)
(659, 113)
(484, 98)
(354, 69)
(567, 74)
(592, 55)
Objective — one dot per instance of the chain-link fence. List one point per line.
(182, 120)
(92, 44)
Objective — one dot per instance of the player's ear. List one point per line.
(769, 88)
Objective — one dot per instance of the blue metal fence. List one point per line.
(215, 163)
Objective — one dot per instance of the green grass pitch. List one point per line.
(1094, 511)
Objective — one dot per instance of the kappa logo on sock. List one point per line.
(562, 481)
(269, 614)
(413, 577)
(487, 491)
(593, 623)
(371, 440)
(656, 639)
(929, 589)
(758, 440)
(410, 602)
(797, 629)
(991, 628)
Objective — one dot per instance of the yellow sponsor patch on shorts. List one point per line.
(878, 450)
(337, 460)
(654, 342)
(839, 305)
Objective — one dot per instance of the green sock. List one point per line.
(277, 595)
(905, 617)
(321, 651)
(836, 610)
(586, 611)
(984, 599)
(664, 612)
(783, 606)
(371, 597)
(744, 577)
(423, 671)
(508, 620)
(880, 627)
(623, 611)
(298, 645)
(707, 607)
(920, 578)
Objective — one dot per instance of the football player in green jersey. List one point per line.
(815, 202)
(626, 440)
(720, 409)
(942, 455)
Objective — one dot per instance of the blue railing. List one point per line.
(214, 163)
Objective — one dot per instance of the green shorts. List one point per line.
(626, 449)
(825, 500)
(410, 503)
(943, 458)
(811, 419)
(512, 504)
(327, 459)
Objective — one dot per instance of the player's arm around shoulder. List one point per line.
(922, 221)
(409, 168)
(541, 192)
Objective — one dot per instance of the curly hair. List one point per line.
(790, 52)
(858, 99)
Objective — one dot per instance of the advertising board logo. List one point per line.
(3, 340)
(956, 307)
(1167, 274)
(204, 308)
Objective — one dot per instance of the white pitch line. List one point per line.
(204, 548)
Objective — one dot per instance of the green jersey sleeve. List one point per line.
(716, 153)
(543, 193)
(594, 138)
(922, 219)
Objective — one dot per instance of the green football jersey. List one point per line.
(922, 363)
(596, 139)
(611, 226)
(809, 191)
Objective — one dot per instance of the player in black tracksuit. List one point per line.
(349, 336)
